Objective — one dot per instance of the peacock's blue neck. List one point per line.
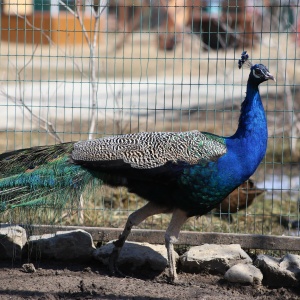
(252, 121)
(247, 147)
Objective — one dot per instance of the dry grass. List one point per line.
(110, 207)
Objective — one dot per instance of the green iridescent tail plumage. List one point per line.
(41, 176)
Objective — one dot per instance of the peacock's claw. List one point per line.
(116, 272)
(166, 277)
(113, 260)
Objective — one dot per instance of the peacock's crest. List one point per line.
(244, 61)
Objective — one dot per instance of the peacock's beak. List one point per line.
(270, 76)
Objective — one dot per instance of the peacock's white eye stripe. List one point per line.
(255, 75)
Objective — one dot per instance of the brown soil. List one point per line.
(54, 280)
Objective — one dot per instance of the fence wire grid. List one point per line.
(76, 70)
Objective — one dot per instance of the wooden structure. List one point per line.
(227, 24)
(178, 14)
(38, 27)
(230, 25)
(192, 238)
(128, 14)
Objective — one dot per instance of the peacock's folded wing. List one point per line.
(148, 150)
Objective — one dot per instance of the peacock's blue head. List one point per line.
(258, 72)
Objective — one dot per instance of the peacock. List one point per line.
(183, 173)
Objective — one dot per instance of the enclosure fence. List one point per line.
(76, 70)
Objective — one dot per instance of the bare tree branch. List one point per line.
(51, 42)
(43, 123)
(68, 8)
(92, 46)
(93, 74)
(79, 17)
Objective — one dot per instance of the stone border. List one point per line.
(78, 245)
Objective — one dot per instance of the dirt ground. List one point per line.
(91, 281)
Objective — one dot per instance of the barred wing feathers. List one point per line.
(148, 150)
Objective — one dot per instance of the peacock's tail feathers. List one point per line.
(26, 160)
(41, 177)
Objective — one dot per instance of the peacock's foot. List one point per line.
(173, 277)
(166, 277)
(113, 260)
(116, 272)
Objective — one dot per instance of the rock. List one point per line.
(244, 273)
(136, 255)
(64, 245)
(291, 262)
(13, 239)
(213, 258)
(276, 271)
(28, 268)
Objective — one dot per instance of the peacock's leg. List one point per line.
(178, 219)
(134, 219)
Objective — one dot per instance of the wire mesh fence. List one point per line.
(76, 70)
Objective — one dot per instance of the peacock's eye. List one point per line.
(257, 72)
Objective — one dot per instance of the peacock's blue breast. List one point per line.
(209, 182)
(207, 185)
